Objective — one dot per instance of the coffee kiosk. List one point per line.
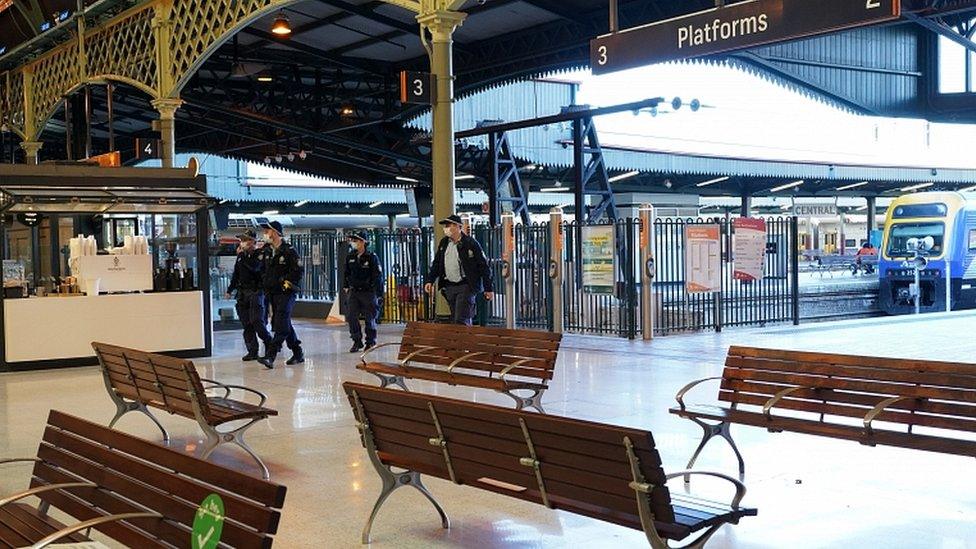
(117, 255)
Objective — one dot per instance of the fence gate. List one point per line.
(740, 303)
(405, 256)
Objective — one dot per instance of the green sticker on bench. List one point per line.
(208, 523)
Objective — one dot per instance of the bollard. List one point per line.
(508, 267)
(647, 270)
(556, 269)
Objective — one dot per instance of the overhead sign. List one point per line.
(749, 248)
(703, 258)
(734, 27)
(598, 252)
(416, 87)
(813, 210)
(147, 148)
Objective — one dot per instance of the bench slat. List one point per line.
(926, 406)
(866, 386)
(853, 360)
(30, 525)
(922, 420)
(528, 335)
(939, 379)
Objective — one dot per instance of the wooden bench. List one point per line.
(601, 471)
(923, 404)
(131, 490)
(137, 380)
(471, 356)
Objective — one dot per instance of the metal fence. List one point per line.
(406, 254)
(740, 303)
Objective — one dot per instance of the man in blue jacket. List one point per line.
(282, 280)
(460, 270)
(363, 286)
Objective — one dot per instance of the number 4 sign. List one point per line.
(416, 87)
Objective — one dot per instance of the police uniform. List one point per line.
(251, 310)
(363, 283)
(282, 280)
(460, 270)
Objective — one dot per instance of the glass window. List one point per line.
(972, 239)
(903, 232)
(952, 67)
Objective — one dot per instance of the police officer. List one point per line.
(460, 270)
(363, 286)
(247, 283)
(282, 280)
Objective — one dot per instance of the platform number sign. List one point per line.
(416, 87)
(147, 148)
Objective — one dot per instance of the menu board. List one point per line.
(749, 248)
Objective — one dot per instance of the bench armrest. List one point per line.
(680, 397)
(512, 366)
(362, 357)
(740, 488)
(228, 388)
(46, 488)
(90, 524)
(451, 366)
(420, 349)
(19, 460)
(876, 411)
(768, 407)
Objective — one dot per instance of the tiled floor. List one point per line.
(811, 492)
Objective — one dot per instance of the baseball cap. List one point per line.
(248, 235)
(275, 226)
(456, 219)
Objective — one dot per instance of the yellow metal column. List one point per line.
(441, 24)
(167, 128)
(31, 149)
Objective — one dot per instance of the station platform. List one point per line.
(811, 492)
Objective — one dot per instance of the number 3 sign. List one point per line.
(416, 87)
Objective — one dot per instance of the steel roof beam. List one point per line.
(942, 29)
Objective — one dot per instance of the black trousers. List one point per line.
(462, 302)
(284, 332)
(361, 303)
(253, 313)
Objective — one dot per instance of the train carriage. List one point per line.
(948, 219)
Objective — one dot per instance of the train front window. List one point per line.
(903, 232)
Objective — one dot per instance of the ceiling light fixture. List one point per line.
(623, 176)
(270, 212)
(265, 77)
(407, 179)
(787, 186)
(376, 204)
(713, 181)
(281, 26)
(554, 189)
(916, 187)
(464, 177)
(301, 203)
(852, 186)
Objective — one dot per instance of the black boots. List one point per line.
(249, 357)
(356, 347)
(297, 357)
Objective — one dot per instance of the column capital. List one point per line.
(167, 107)
(31, 149)
(441, 23)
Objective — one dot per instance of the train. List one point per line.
(947, 222)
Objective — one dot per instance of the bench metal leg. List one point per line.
(532, 401)
(723, 430)
(123, 407)
(387, 380)
(215, 438)
(392, 481)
